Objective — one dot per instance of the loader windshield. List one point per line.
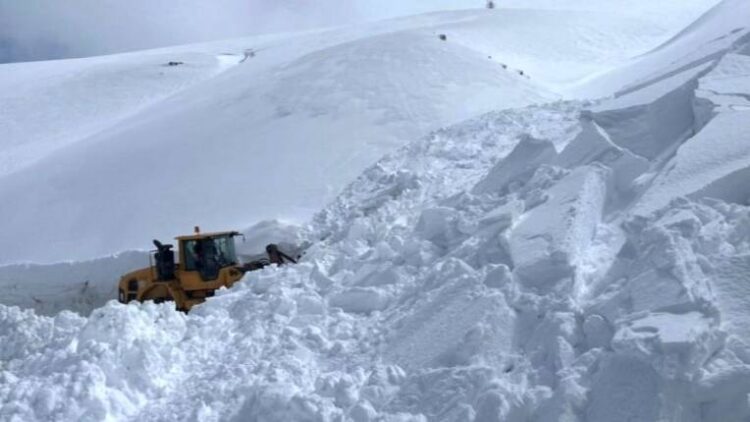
(209, 255)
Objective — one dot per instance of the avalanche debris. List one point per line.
(537, 264)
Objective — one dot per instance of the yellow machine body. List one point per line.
(184, 281)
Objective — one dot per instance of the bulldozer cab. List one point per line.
(207, 254)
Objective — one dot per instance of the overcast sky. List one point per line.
(49, 29)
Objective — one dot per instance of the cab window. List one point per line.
(210, 252)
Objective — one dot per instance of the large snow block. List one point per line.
(518, 166)
(360, 300)
(730, 285)
(439, 225)
(652, 119)
(548, 243)
(461, 322)
(675, 344)
(644, 288)
(715, 163)
(593, 145)
(624, 389)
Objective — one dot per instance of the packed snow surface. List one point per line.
(529, 264)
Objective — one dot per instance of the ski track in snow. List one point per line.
(531, 264)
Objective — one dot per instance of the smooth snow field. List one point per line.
(571, 244)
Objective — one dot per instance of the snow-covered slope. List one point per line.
(530, 264)
(220, 153)
(700, 42)
(98, 155)
(47, 105)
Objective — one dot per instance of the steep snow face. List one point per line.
(103, 153)
(713, 163)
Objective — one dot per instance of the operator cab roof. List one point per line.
(199, 236)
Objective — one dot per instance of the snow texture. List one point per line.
(102, 153)
(528, 264)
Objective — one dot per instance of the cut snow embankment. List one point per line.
(75, 286)
(84, 286)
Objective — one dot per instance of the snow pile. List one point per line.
(534, 264)
(129, 361)
(667, 297)
(276, 347)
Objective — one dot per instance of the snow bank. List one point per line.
(75, 286)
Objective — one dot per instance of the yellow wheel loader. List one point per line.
(207, 262)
